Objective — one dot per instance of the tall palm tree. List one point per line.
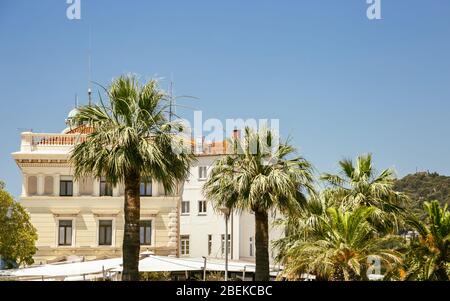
(131, 140)
(339, 246)
(429, 255)
(259, 175)
(359, 185)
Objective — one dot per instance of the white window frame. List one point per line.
(223, 244)
(210, 242)
(183, 238)
(200, 178)
(113, 231)
(205, 207)
(152, 220)
(74, 227)
(189, 207)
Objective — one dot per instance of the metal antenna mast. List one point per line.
(90, 67)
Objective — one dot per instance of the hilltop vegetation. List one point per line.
(425, 186)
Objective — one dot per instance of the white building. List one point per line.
(203, 228)
(85, 218)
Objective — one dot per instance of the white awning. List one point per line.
(150, 263)
(69, 269)
(154, 263)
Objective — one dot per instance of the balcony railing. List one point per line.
(48, 141)
(38, 141)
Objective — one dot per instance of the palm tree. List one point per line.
(359, 185)
(301, 225)
(131, 140)
(429, 255)
(339, 246)
(259, 176)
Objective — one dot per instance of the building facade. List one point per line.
(203, 227)
(85, 218)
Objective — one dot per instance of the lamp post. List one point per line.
(204, 268)
(226, 213)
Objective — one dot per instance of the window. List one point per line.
(66, 188)
(105, 233)
(105, 188)
(202, 172)
(184, 242)
(146, 188)
(223, 244)
(202, 207)
(65, 233)
(145, 233)
(251, 246)
(209, 244)
(185, 207)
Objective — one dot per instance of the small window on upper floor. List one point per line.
(202, 172)
(66, 186)
(106, 188)
(185, 207)
(145, 188)
(202, 207)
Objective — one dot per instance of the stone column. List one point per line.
(40, 184)
(76, 188)
(116, 190)
(24, 185)
(96, 187)
(155, 188)
(56, 179)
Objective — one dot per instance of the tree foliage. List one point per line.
(132, 139)
(422, 187)
(259, 176)
(339, 246)
(428, 256)
(17, 234)
(353, 219)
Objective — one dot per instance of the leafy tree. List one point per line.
(17, 234)
(359, 185)
(131, 140)
(429, 255)
(253, 178)
(339, 246)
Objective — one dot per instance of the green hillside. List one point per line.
(425, 186)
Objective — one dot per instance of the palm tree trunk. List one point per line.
(337, 274)
(262, 246)
(441, 273)
(131, 243)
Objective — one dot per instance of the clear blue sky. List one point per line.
(340, 84)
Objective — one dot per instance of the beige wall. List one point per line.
(85, 212)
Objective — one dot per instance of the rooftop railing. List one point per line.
(36, 141)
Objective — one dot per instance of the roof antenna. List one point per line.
(90, 66)
(76, 100)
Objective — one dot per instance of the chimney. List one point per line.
(236, 134)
